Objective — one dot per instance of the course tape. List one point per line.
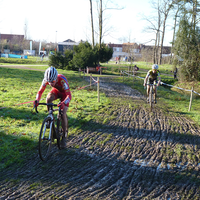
(162, 83)
(71, 91)
(87, 85)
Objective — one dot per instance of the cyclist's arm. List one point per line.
(41, 90)
(66, 88)
(67, 99)
(145, 80)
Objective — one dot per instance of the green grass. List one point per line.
(112, 68)
(31, 60)
(20, 125)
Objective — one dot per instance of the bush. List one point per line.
(82, 56)
(61, 62)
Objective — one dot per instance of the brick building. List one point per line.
(11, 37)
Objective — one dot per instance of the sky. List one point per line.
(57, 21)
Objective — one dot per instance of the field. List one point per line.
(117, 148)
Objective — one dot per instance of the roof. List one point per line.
(114, 45)
(68, 43)
(68, 40)
(11, 36)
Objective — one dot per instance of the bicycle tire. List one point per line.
(59, 132)
(151, 97)
(45, 142)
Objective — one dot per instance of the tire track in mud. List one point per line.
(136, 154)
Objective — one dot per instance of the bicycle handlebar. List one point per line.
(151, 84)
(46, 104)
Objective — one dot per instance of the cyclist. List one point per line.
(152, 77)
(60, 90)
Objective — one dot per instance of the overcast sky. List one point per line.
(56, 21)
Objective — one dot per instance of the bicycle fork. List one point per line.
(50, 126)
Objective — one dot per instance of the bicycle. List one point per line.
(152, 96)
(49, 131)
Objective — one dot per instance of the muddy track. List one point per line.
(127, 152)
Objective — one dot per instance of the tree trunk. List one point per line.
(162, 40)
(100, 23)
(194, 13)
(174, 32)
(92, 26)
(157, 41)
(163, 32)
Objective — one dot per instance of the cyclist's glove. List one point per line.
(61, 105)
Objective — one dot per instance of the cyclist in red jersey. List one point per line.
(60, 90)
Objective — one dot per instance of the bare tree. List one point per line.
(100, 23)
(157, 40)
(165, 9)
(154, 27)
(101, 8)
(158, 25)
(92, 25)
(177, 9)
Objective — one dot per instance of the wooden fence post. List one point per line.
(190, 105)
(98, 89)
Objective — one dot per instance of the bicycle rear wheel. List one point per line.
(45, 139)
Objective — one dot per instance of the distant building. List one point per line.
(131, 48)
(166, 49)
(11, 37)
(117, 50)
(67, 44)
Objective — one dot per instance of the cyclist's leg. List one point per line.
(155, 91)
(65, 122)
(64, 127)
(52, 95)
(148, 89)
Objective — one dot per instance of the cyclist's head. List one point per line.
(50, 74)
(155, 66)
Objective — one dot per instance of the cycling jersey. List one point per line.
(153, 76)
(61, 89)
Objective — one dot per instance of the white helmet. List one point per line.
(155, 66)
(50, 74)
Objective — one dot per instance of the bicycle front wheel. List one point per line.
(151, 97)
(45, 138)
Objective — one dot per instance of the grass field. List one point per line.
(20, 125)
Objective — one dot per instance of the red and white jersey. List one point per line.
(61, 85)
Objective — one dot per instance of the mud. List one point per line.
(127, 152)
